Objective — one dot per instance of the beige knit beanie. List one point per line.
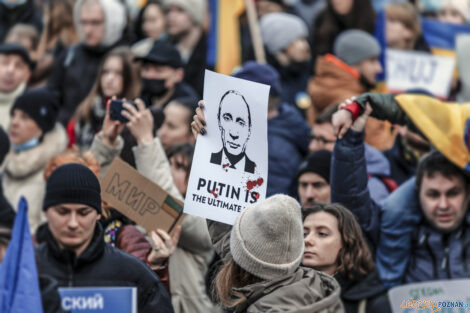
(195, 8)
(267, 238)
(460, 5)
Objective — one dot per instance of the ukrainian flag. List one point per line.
(223, 46)
(441, 36)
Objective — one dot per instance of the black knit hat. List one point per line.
(73, 183)
(41, 104)
(319, 163)
(17, 49)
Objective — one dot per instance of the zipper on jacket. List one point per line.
(445, 261)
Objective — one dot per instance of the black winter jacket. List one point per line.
(104, 266)
(73, 75)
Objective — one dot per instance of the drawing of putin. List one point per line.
(234, 119)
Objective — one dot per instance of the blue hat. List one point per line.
(261, 73)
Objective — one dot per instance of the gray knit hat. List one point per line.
(195, 8)
(267, 238)
(279, 30)
(354, 46)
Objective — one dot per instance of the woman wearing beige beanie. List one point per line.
(261, 255)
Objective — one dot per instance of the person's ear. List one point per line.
(179, 75)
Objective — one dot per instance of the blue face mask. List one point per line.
(431, 5)
(13, 4)
(33, 142)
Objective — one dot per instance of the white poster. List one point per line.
(230, 163)
(443, 296)
(411, 70)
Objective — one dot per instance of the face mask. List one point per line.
(430, 5)
(33, 142)
(13, 4)
(154, 87)
(298, 67)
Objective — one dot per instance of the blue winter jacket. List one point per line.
(410, 249)
(287, 146)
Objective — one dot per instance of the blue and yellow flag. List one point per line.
(446, 125)
(223, 42)
(19, 285)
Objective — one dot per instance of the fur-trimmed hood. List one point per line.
(115, 20)
(19, 165)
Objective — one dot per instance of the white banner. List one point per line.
(230, 163)
(443, 296)
(411, 70)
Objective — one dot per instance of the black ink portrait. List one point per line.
(234, 120)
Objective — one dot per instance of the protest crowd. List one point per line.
(368, 183)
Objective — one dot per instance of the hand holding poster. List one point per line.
(230, 163)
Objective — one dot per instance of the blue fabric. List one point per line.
(377, 166)
(19, 285)
(349, 180)
(400, 216)
(33, 142)
(287, 145)
(408, 249)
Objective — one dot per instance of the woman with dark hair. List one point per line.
(117, 77)
(338, 16)
(181, 159)
(176, 127)
(261, 255)
(334, 244)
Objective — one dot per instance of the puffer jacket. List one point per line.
(305, 290)
(189, 264)
(421, 253)
(24, 173)
(333, 83)
(102, 265)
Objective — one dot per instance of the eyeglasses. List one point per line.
(94, 23)
(321, 139)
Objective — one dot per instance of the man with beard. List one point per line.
(184, 27)
(162, 78)
(285, 37)
(351, 71)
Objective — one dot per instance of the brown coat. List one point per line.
(333, 83)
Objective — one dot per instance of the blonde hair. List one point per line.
(407, 14)
(22, 33)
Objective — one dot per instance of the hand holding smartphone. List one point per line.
(116, 107)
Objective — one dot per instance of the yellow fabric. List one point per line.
(442, 123)
(228, 36)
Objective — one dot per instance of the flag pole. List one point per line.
(255, 32)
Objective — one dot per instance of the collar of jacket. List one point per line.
(337, 62)
(94, 250)
(363, 287)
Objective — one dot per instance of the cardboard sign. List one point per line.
(99, 299)
(139, 198)
(435, 296)
(411, 70)
(230, 163)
